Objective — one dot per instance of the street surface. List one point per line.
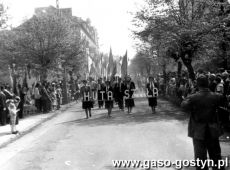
(70, 142)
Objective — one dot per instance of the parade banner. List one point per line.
(88, 97)
(124, 66)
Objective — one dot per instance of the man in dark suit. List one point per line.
(3, 113)
(204, 125)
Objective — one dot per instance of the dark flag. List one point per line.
(114, 68)
(124, 66)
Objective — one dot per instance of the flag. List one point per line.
(101, 65)
(124, 66)
(92, 70)
(110, 65)
(114, 72)
(11, 77)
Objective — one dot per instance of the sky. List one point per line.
(111, 18)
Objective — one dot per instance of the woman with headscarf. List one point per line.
(129, 91)
(87, 102)
(152, 93)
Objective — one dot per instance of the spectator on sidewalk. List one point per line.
(212, 82)
(37, 97)
(204, 127)
(219, 86)
(12, 105)
(3, 112)
(59, 96)
(22, 94)
(8, 95)
(53, 95)
(45, 98)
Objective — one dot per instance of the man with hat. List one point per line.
(204, 125)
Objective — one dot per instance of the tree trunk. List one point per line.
(179, 69)
(190, 71)
(187, 60)
(43, 75)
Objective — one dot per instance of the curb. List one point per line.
(36, 125)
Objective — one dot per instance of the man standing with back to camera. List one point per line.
(204, 125)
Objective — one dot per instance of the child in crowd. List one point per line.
(12, 105)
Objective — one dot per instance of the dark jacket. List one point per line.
(130, 88)
(150, 89)
(2, 101)
(119, 89)
(203, 107)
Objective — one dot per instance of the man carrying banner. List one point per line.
(109, 97)
(87, 103)
(100, 93)
(129, 91)
(152, 93)
(119, 90)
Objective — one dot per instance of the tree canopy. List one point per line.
(184, 30)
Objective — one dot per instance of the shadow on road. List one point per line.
(141, 114)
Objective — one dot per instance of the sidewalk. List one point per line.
(27, 124)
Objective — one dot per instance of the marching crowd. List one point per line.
(47, 96)
(116, 91)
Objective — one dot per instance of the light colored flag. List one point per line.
(124, 66)
(110, 65)
(11, 77)
(114, 72)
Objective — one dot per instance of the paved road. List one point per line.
(70, 142)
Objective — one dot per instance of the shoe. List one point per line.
(15, 132)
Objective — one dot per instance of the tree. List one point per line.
(3, 16)
(46, 43)
(40, 41)
(185, 29)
